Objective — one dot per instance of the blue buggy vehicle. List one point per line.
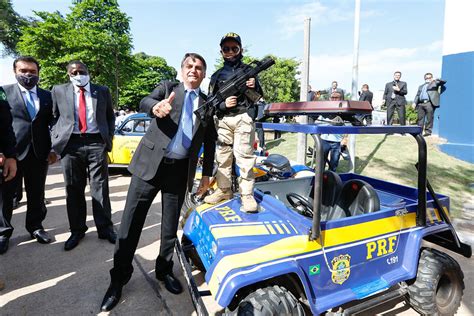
(327, 243)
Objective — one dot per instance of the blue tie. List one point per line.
(30, 105)
(187, 121)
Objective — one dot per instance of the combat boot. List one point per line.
(249, 205)
(219, 195)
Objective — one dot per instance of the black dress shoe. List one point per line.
(172, 284)
(4, 244)
(73, 241)
(108, 234)
(111, 298)
(426, 134)
(41, 236)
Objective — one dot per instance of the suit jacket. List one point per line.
(399, 95)
(64, 118)
(434, 89)
(152, 147)
(328, 91)
(31, 133)
(7, 136)
(366, 96)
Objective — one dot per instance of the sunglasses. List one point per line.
(234, 49)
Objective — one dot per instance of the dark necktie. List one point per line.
(187, 122)
(82, 111)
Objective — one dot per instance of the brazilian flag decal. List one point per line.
(314, 270)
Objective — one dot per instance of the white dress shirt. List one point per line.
(34, 95)
(175, 149)
(90, 115)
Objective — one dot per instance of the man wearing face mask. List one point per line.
(427, 100)
(31, 109)
(82, 134)
(235, 129)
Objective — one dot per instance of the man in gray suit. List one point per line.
(82, 135)
(427, 100)
(394, 98)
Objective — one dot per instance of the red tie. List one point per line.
(82, 111)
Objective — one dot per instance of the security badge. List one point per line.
(341, 268)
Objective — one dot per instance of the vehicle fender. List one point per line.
(242, 278)
(414, 246)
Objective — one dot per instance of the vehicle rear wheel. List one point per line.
(272, 300)
(439, 284)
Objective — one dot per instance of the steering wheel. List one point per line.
(301, 204)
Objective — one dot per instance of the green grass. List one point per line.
(392, 158)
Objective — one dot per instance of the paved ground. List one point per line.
(46, 280)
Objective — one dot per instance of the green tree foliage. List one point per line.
(10, 24)
(411, 114)
(95, 32)
(149, 71)
(279, 82)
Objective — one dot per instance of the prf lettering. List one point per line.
(382, 246)
(228, 214)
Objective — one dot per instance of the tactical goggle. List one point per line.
(234, 49)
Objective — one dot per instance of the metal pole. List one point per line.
(355, 75)
(301, 151)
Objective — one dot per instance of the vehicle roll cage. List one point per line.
(315, 130)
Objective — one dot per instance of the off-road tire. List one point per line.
(192, 254)
(439, 284)
(269, 301)
(188, 201)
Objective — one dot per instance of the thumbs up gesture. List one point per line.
(163, 108)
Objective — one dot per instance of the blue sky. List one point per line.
(394, 35)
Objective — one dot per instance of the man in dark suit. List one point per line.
(165, 160)
(427, 101)
(82, 135)
(394, 98)
(31, 109)
(367, 95)
(334, 93)
(8, 169)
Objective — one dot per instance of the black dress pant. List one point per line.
(391, 106)
(170, 179)
(426, 112)
(86, 158)
(7, 190)
(33, 171)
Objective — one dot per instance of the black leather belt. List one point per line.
(86, 136)
(172, 161)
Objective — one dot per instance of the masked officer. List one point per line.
(235, 128)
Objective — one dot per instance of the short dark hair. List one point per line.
(398, 72)
(334, 82)
(194, 56)
(26, 59)
(75, 62)
(428, 74)
(365, 85)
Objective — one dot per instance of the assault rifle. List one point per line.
(235, 86)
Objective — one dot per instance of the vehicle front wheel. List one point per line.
(439, 284)
(272, 300)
